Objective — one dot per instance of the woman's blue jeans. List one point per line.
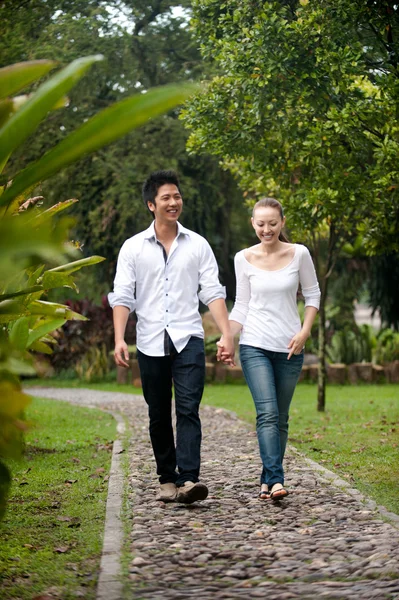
(271, 379)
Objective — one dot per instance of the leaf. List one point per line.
(48, 214)
(26, 120)
(19, 333)
(44, 327)
(61, 549)
(100, 130)
(51, 280)
(77, 264)
(39, 346)
(40, 307)
(19, 75)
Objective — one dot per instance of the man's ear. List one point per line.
(151, 206)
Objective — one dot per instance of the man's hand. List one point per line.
(121, 354)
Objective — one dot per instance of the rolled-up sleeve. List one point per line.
(210, 287)
(241, 304)
(308, 280)
(125, 280)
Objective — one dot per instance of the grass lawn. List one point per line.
(51, 537)
(357, 436)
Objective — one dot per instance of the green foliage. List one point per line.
(150, 46)
(387, 349)
(210, 347)
(94, 365)
(35, 255)
(352, 345)
(384, 286)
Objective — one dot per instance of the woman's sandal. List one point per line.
(264, 495)
(278, 494)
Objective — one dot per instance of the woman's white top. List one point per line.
(266, 301)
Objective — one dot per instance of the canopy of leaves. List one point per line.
(306, 108)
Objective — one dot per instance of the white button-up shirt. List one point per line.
(165, 290)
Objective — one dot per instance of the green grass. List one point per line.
(51, 537)
(357, 437)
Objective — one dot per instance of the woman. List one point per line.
(272, 338)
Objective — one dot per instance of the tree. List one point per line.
(306, 108)
(148, 46)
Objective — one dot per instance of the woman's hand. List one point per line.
(225, 351)
(297, 343)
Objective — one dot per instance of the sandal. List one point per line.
(264, 495)
(278, 494)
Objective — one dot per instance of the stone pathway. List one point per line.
(319, 542)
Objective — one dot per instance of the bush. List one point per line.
(387, 346)
(83, 343)
(351, 346)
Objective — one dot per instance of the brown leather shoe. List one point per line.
(190, 492)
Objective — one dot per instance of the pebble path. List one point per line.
(319, 542)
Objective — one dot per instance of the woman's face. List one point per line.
(267, 223)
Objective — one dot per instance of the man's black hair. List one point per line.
(155, 181)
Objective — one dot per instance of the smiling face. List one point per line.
(168, 204)
(268, 224)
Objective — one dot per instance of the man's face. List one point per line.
(168, 204)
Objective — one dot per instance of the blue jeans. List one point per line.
(271, 379)
(187, 372)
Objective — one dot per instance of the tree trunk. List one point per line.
(322, 372)
(332, 254)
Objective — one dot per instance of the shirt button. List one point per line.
(167, 279)
(167, 294)
(167, 310)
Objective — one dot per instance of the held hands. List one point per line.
(297, 343)
(225, 350)
(121, 354)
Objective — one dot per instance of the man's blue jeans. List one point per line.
(271, 379)
(187, 372)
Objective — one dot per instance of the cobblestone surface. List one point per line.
(319, 542)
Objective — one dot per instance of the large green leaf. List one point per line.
(27, 118)
(76, 265)
(57, 280)
(19, 333)
(52, 309)
(48, 214)
(103, 128)
(43, 328)
(40, 346)
(16, 77)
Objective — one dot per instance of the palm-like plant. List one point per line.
(35, 254)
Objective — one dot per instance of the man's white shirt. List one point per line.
(165, 290)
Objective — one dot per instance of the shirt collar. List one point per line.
(150, 232)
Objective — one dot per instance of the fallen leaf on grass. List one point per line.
(61, 549)
(70, 481)
(356, 450)
(73, 521)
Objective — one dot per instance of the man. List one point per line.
(159, 273)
